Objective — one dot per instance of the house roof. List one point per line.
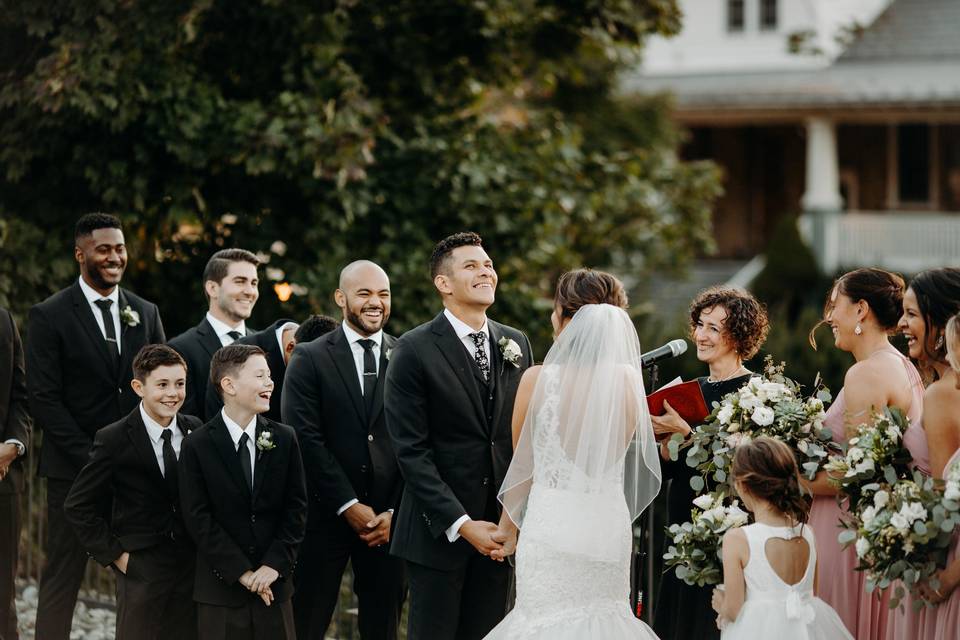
(908, 59)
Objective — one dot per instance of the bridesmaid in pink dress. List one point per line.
(863, 310)
(928, 304)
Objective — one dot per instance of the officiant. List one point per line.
(728, 326)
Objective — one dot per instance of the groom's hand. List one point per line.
(360, 517)
(479, 533)
(379, 533)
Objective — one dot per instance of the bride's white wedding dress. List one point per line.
(573, 555)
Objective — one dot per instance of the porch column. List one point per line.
(821, 198)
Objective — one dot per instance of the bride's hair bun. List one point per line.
(767, 469)
(586, 286)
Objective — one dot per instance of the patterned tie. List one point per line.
(480, 354)
(234, 336)
(111, 331)
(170, 461)
(244, 454)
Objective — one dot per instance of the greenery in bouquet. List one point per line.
(768, 405)
(694, 553)
(875, 454)
(902, 531)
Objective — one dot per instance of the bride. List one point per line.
(585, 466)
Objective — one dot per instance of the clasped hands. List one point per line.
(8, 453)
(492, 541)
(259, 582)
(373, 528)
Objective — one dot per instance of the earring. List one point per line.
(939, 344)
(858, 330)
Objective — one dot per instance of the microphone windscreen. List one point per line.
(678, 347)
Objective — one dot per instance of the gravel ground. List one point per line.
(93, 619)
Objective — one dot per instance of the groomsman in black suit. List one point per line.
(230, 283)
(125, 504)
(14, 437)
(79, 350)
(449, 402)
(334, 399)
(245, 504)
(277, 341)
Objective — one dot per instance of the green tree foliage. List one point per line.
(343, 129)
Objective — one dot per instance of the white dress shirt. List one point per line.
(353, 338)
(222, 329)
(92, 296)
(236, 431)
(155, 433)
(463, 331)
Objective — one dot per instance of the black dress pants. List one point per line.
(9, 551)
(155, 596)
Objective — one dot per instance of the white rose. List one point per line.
(898, 522)
(749, 402)
(726, 412)
(868, 516)
(880, 499)
(735, 517)
(703, 502)
(863, 545)
(952, 490)
(763, 416)
(772, 390)
(913, 511)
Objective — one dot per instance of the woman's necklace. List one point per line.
(733, 374)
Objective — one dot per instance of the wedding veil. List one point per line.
(587, 428)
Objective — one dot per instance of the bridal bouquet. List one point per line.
(875, 454)
(768, 405)
(695, 551)
(902, 531)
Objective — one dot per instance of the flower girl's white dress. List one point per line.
(775, 609)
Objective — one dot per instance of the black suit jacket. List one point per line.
(120, 500)
(234, 530)
(197, 346)
(347, 453)
(266, 340)
(74, 386)
(14, 417)
(453, 447)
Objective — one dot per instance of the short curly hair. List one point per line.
(439, 259)
(746, 325)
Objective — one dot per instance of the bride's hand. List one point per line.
(508, 542)
(717, 600)
(669, 422)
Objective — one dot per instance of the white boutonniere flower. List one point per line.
(386, 354)
(265, 441)
(129, 317)
(510, 351)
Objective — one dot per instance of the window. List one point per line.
(735, 15)
(768, 14)
(913, 163)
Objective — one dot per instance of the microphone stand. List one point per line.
(643, 563)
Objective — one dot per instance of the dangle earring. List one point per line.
(858, 329)
(939, 344)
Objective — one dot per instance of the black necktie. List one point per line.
(109, 329)
(369, 372)
(480, 355)
(244, 454)
(235, 335)
(169, 460)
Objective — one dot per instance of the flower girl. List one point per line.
(770, 567)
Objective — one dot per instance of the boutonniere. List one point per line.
(129, 317)
(510, 351)
(265, 441)
(386, 354)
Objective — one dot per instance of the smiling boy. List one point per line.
(245, 504)
(125, 504)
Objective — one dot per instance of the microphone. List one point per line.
(670, 350)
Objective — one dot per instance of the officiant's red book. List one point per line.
(686, 399)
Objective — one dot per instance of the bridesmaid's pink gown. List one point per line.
(841, 585)
(947, 615)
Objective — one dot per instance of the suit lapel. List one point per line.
(128, 336)
(208, 337)
(137, 432)
(497, 366)
(228, 453)
(457, 357)
(262, 458)
(342, 357)
(84, 314)
(377, 407)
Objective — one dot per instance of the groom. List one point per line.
(449, 398)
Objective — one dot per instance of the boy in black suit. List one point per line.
(125, 504)
(245, 504)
